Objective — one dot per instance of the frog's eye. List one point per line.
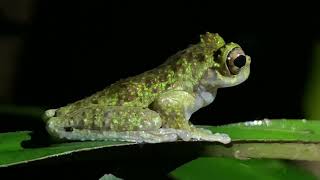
(236, 59)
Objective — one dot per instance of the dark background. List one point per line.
(69, 50)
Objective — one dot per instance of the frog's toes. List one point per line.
(203, 135)
(194, 135)
(220, 137)
(49, 113)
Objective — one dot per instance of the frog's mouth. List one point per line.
(214, 78)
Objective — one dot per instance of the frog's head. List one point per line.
(231, 65)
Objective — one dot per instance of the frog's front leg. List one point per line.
(175, 109)
(118, 123)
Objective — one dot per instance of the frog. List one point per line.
(156, 105)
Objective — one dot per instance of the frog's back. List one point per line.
(181, 70)
(139, 91)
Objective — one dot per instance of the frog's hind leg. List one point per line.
(154, 136)
(115, 123)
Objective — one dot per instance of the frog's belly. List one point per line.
(203, 98)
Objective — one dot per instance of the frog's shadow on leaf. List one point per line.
(39, 138)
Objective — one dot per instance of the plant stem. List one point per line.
(290, 151)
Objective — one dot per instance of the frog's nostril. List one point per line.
(240, 61)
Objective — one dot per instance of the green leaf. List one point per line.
(277, 139)
(12, 141)
(272, 130)
(292, 139)
(12, 152)
(226, 168)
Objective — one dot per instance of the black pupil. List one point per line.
(240, 61)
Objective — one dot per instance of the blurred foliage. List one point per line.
(225, 168)
(312, 92)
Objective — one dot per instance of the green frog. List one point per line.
(156, 106)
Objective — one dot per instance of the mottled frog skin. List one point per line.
(156, 106)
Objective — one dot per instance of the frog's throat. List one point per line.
(213, 79)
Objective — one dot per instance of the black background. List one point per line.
(73, 49)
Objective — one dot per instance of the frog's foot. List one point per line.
(199, 134)
(49, 113)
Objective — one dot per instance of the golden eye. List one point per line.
(236, 59)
